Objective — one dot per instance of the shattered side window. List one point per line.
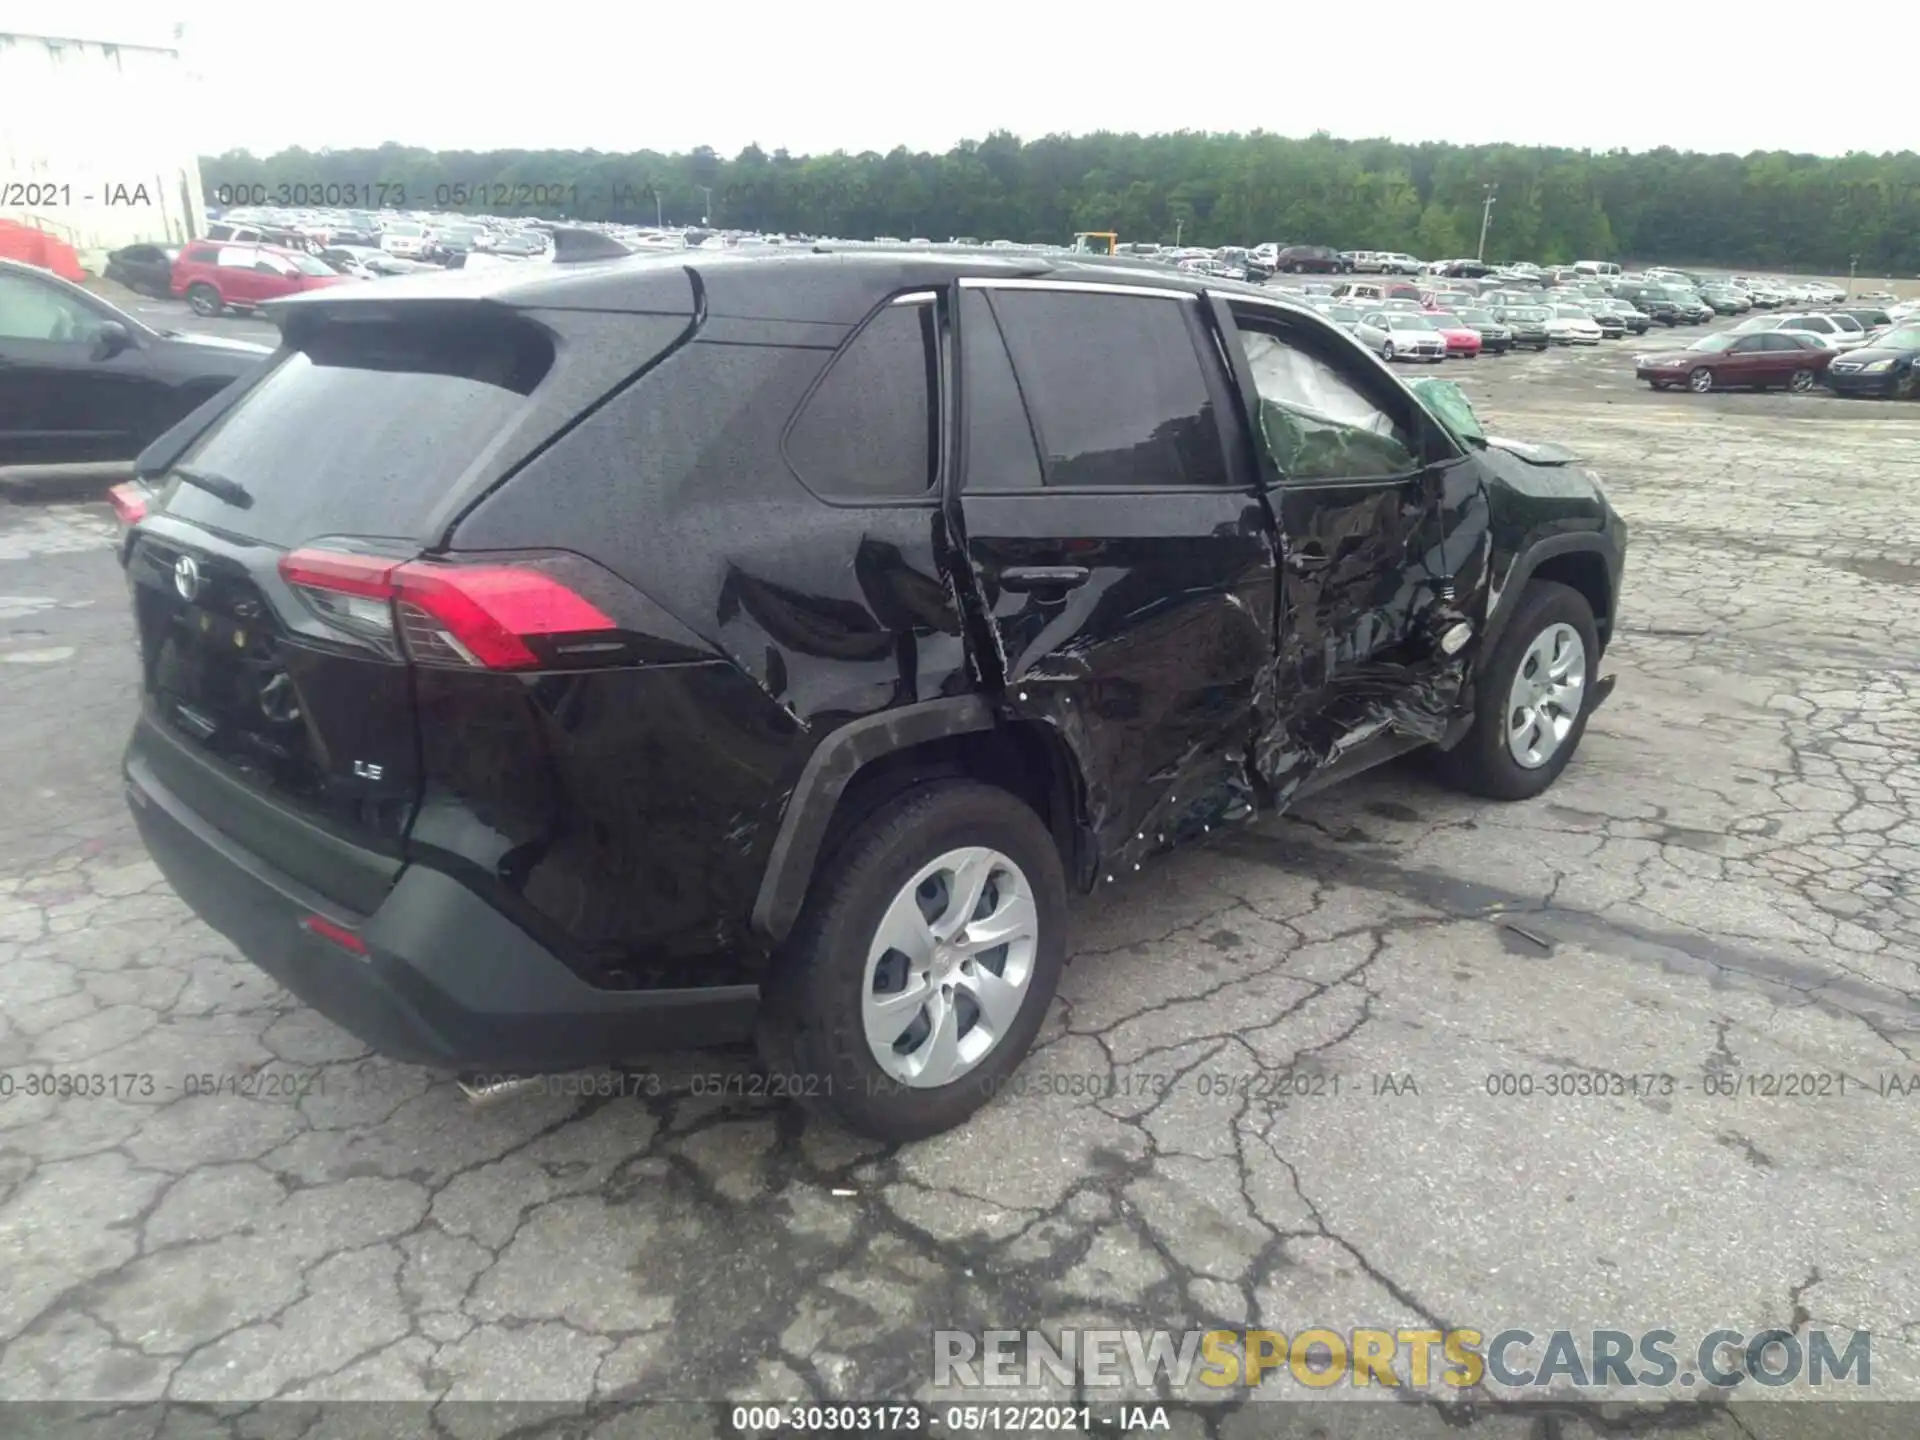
(1315, 423)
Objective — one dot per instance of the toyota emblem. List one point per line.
(186, 577)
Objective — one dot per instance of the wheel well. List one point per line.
(1586, 572)
(1023, 758)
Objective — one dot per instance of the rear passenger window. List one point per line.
(871, 428)
(1114, 388)
(1000, 453)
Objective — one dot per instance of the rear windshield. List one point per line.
(364, 430)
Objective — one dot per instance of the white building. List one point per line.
(96, 134)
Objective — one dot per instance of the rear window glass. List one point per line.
(362, 433)
(872, 428)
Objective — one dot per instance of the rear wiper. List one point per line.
(219, 486)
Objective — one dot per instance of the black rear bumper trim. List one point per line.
(447, 981)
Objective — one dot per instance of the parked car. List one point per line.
(1727, 361)
(1495, 338)
(146, 269)
(1632, 320)
(1395, 262)
(1842, 332)
(1572, 325)
(1612, 324)
(81, 380)
(1871, 317)
(673, 711)
(1462, 340)
(1347, 317)
(212, 278)
(1528, 324)
(408, 239)
(1401, 335)
(1656, 304)
(1693, 310)
(1890, 366)
(1310, 260)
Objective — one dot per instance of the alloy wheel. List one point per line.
(1700, 381)
(1386, 351)
(1544, 700)
(949, 967)
(1801, 382)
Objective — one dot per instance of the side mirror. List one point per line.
(110, 340)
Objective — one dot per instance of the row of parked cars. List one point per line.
(1797, 352)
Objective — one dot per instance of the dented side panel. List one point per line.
(1149, 670)
(1371, 581)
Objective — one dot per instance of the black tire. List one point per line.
(1660, 384)
(1700, 380)
(810, 1025)
(1481, 763)
(203, 299)
(1800, 382)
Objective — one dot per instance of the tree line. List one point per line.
(1768, 210)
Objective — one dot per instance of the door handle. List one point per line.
(1022, 578)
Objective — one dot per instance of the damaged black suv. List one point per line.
(545, 667)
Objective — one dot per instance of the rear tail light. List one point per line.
(477, 616)
(131, 501)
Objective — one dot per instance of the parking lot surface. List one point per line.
(1721, 890)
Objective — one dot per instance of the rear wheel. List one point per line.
(203, 298)
(1530, 701)
(1801, 382)
(923, 963)
(1700, 381)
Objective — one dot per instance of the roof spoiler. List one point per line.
(572, 245)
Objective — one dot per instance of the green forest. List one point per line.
(1768, 210)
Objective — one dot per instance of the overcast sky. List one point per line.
(672, 74)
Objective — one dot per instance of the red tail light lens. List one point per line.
(325, 929)
(474, 616)
(130, 501)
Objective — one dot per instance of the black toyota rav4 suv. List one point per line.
(547, 666)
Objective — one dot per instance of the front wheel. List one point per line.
(1905, 386)
(1700, 381)
(923, 964)
(204, 299)
(1530, 708)
(1386, 352)
(1800, 382)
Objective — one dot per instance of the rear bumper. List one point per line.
(447, 980)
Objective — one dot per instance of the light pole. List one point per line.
(659, 214)
(706, 214)
(1486, 218)
(1178, 226)
(1853, 268)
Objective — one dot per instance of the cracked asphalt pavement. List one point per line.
(1721, 890)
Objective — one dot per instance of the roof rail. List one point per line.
(572, 245)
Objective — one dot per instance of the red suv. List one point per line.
(214, 277)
